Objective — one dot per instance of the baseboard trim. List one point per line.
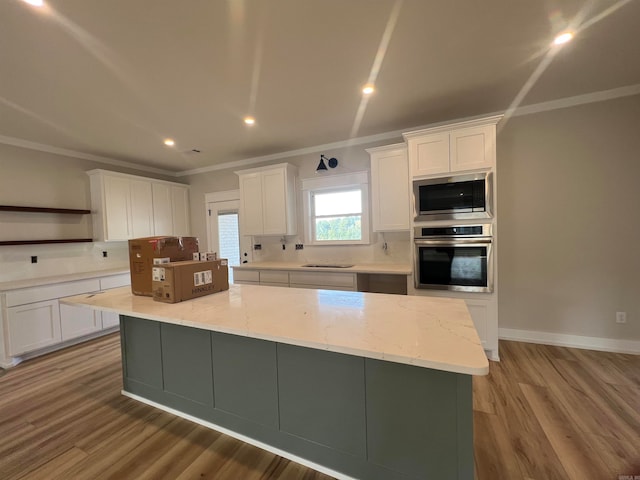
(573, 341)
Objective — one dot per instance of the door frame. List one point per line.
(222, 197)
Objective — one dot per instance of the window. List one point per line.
(336, 209)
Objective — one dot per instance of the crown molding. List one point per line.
(18, 142)
(560, 103)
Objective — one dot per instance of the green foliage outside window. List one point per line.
(339, 228)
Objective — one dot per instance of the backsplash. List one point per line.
(397, 250)
(60, 259)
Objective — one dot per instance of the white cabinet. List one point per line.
(390, 188)
(452, 148)
(32, 326)
(267, 200)
(78, 321)
(33, 319)
(170, 209)
(181, 215)
(485, 318)
(247, 277)
(323, 280)
(126, 206)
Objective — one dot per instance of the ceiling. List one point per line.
(113, 78)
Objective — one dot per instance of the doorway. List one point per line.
(224, 229)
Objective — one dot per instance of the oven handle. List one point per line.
(453, 241)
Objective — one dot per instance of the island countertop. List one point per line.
(435, 333)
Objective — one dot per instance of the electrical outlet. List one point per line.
(104, 254)
(257, 246)
(621, 317)
(34, 259)
(299, 246)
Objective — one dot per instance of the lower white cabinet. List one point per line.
(110, 320)
(323, 280)
(33, 326)
(78, 321)
(34, 318)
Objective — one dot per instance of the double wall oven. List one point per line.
(451, 254)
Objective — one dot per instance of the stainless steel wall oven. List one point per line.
(457, 258)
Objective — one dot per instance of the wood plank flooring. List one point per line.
(542, 413)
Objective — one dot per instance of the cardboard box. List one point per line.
(145, 252)
(178, 281)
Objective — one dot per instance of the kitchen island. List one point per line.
(356, 385)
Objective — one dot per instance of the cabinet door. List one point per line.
(78, 321)
(117, 208)
(141, 209)
(390, 188)
(110, 319)
(429, 154)
(274, 197)
(479, 311)
(180, 210)
(33, 326)
(472, 148)
(251, 204)
(162, 209)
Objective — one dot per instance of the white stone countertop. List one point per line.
(65, 277)
(382, 268)
(429, 332)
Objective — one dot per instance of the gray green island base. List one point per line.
(345, 415)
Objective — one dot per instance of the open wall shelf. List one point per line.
(64, 211)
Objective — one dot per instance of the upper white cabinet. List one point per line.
(170, 209)
(390, 188)
(267, 200)
(127, 206)
(452, 148)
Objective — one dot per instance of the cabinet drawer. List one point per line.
(246, 275)
(115, 281)
(270, 276)
(49, 292)
(324, 279)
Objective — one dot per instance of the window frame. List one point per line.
(331, 184)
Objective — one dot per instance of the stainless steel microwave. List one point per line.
(457, 197)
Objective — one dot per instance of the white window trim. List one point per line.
(317, 184)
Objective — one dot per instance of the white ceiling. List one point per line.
(112, 78)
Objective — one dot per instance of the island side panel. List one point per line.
(414, 423)
(186, 363)
(341, 390)
(322, 397)
(246, 378)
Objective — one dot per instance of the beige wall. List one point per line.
(569, 220)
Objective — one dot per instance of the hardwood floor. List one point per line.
(542, 413)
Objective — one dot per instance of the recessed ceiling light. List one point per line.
(169, 142)
(368, 89)
(35, 3)
(563, 38)
(249, 120)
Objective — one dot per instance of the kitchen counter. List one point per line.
(355, 385)
(66, 277)
(428, 332)
(380, 268)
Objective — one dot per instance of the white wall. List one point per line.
(40, 179)
(353, 159)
